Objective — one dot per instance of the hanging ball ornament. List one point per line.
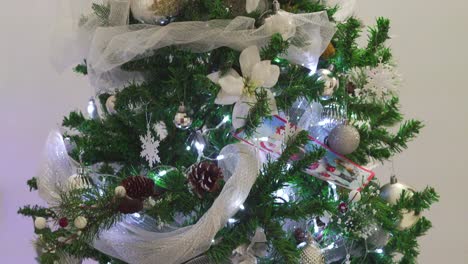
(80, 180)
(110, 104)
(311, 253)
(182, 120)
(120, 192)
(40, 223)
(155, 11)
(80, 222)
(391, 193)
(63, 222)
(330, 82)
(354, 196)
(329, 52)
(344, 139)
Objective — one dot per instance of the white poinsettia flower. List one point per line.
(240, 90)
(251, 5)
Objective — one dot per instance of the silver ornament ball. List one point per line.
(181, 119)
(391, 193)
(344, 139)
(110, 104)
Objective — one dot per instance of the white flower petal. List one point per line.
(241, 110)
(214, 77)
(248, 58)
(272, 103)
(226, 99)
(264, 74)
(232, 85)
(251, 5)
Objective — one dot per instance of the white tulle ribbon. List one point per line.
(55, 170)
(134, 244)
(142, 242)
(108, 47)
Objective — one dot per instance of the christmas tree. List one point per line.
(227, 131)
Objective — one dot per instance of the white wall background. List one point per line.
(429, 41)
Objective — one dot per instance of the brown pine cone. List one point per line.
(130, 206)
(138, 187)
(300, 235)
(205, 177)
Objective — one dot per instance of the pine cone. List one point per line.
(204, 177)
(130, 206)
(138, 187)
(300, 235)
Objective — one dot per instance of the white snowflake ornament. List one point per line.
(149, 146)
(375, 83)
(161, 129)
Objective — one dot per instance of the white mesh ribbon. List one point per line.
(113, 46)
(135, 242)
(108, 46)
(55, 170)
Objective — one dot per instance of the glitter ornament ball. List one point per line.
(110, 104)
(63, 222)
(155, 11)
(311, 253)
(40, 223)
(330, 83)
(182, 120)
(391, 193)
(344, 139)
(80, 222)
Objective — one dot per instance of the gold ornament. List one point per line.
(155, 11)
(329, 52)
(390, 193)
(311, 253)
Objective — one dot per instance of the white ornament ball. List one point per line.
(40, 223)
(120, 191)
(110, 104)
(391, 193)
(354, 196)
(80, 222)
(344, 139)
(78, 181)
